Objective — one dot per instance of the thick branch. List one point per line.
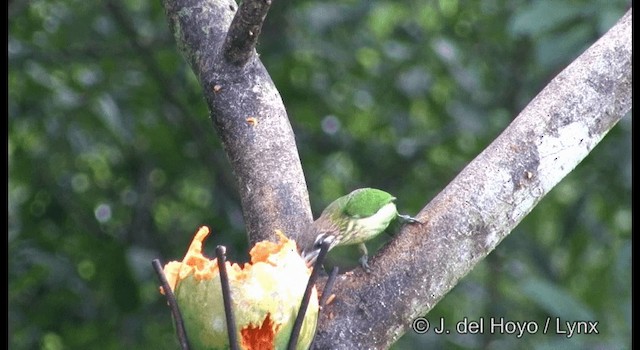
(240, 43)
(249, 117)
(468, 219)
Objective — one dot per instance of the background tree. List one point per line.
(112, 161)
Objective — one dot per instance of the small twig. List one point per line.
(244, 30)
(173, 305)
(226, 298)
(297, 325)
(328, 286)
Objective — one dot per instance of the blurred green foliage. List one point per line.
(113, 160)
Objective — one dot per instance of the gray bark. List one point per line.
(247, 111)
(487, 200)
(463, 224)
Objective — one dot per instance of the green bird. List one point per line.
(353, 219)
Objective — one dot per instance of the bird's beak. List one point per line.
(310, 257)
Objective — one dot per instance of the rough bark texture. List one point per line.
(246, 109)
(468, 219)
(239, 45)
(463, 224)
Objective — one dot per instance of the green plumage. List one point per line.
(365, 202)
(353, 219)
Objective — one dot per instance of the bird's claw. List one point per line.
(410, 219)
(364, 262)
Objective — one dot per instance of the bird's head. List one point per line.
(324, 229)
(318, 232)
(310, 252)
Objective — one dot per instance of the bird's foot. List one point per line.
(364, 262)
(409, 219)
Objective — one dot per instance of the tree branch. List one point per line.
(247, 112)
(240, 43)
(463, 223)
(479, 208)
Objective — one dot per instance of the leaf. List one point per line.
(555, 301)
(552, 50)
(542, 16)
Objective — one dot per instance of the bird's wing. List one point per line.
(366, 202)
